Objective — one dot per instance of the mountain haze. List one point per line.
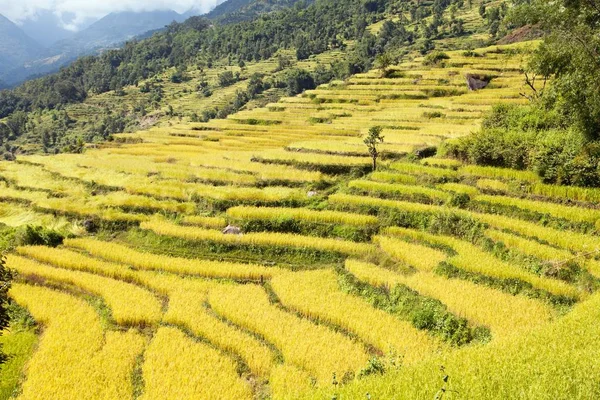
(16, 47)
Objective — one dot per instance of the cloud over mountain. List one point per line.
(75, 13)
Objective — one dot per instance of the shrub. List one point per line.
(435, 58)
(38, 236)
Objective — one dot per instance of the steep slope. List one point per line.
(15, 46)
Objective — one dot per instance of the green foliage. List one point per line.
(423, 312)
(373, 138)
(6, 277)
(37, 236)
(532, 138)
(435, 58)
(299, 80)
(227, 78)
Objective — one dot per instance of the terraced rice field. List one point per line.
(342, 281)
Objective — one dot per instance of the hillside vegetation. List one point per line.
(240, 245)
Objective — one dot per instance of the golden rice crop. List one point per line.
(351, 200)
(500, 173)
(301, 214)
(565, 239)
(68, 259)
(186, 191)
(317, 295)
(493, 184)
(287, 381)
(122, 199)
(567, 192)
(441, 162)
(148, 261)
(473, 259)
(311, 158)
(10, 193)
(178, 367)
(416, 169)
(420, 257)
(35, 177)
(392, 177)
(530, 247)
(186, 308)
(317, 349)
(551, 362)
(129, 304)
(393, 188)
(503, 313)
(577, 214)
(162, 227)
(75, 359)
(459, 188)
(205, 222)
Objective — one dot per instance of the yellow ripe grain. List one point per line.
(504, 314)
(75, 360)
(501, 173)
(473, 259)
(565, 239)
(417, 169)
(315, 348)
(122, 199)
(64, 258)
(358, 201)
(577, 214)
(258, 239)
(205, 222)
(187, 308)
(392, 177)
(555, 361)
(459, 188)
(530, 247)
(493, 184)
(394, 188)
(301, 214)
(177, 367)
(287, 381)
(317, 295)
(420, 257)
(148, 261)
(567, 192)
(129, 304)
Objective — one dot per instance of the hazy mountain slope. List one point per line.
(46, 28)
(15, 46)
(116, 28)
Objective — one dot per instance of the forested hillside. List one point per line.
(197, 44)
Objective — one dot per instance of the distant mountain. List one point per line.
(115, 29)
(16, 47)
(46, 28)
(107, 33)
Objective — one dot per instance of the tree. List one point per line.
(372, 140)
(383, 62)
(299, 80)
(226, 79)
(6, 276)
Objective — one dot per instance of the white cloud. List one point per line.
(74, 13)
